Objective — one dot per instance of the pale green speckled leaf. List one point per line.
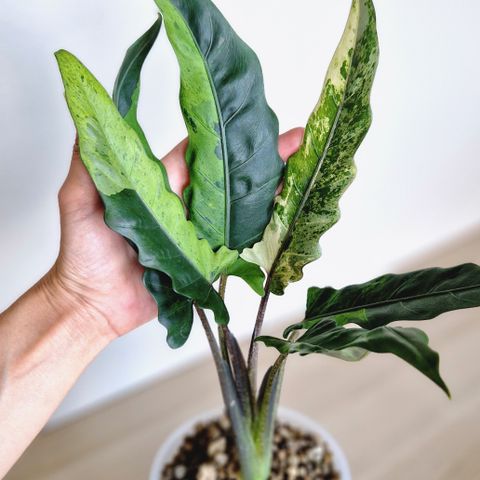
(134, 187)
(319, 173)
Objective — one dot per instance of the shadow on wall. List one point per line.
(462, 247)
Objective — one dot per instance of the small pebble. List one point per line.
(217, 446)
(221, 459)
(316, 454)
(207, 472)
(180, 471)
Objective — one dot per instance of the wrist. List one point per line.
(49, 336)
(80, 318)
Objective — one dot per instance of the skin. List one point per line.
(93, 294)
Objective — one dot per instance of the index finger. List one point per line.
(290, 142)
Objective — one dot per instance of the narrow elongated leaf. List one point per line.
(409, 344)
(319, 173)
(127, 85)
(138, 201)
(175, 312)
(232, 154)
(420, 295)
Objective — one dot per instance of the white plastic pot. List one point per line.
(171, 445)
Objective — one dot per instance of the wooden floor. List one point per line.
(393, 423)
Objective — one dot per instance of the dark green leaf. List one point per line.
(134, 187)
(232, 154)
(251, 273)
(419, 295)
(410, 344)
(175, 312)
(352, 354)
(319, 173)
(127, 85)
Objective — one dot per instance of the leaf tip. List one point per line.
(288, 331)
(62, 55)
(65, 59)
(174, 343)
(446, 390)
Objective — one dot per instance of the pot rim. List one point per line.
(175, 439)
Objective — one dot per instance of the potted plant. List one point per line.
(231, 221)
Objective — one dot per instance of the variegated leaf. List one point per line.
(134, 188)
(232, 153)
(319, 173)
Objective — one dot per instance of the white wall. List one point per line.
(418, 168)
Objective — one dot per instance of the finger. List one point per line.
(176, 167)
(78, 175)
(290, 142)
(78, 190)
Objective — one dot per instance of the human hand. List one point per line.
(97, 272)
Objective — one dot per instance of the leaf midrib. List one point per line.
(167, 191)
(223, 143)
(321, 160)
(394, 300)
(310, 186)
(189, 261)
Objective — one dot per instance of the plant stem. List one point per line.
(222, 365)
(240, 425)
(269, 397)
(223, 285)
(223, 329)
(222, 337)
(253, 350)
(264, 423)
(211, 339)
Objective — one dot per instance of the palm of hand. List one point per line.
(96, 267)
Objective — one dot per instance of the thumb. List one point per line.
(78, 191)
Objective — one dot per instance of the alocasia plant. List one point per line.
(229, 221)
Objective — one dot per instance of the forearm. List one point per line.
(46, 341)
